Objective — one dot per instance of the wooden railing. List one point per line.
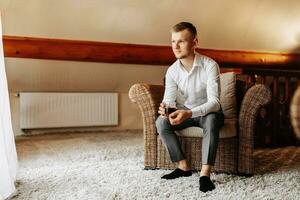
(281, 72)
(273, 125)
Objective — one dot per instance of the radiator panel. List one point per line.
(55, 110)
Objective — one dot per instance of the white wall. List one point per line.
(269, 25)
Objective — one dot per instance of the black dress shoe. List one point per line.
(177, 173)
(206, 184)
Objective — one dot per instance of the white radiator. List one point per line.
(55, 110)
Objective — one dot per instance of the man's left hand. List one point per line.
(179, 116)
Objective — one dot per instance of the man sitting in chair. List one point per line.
(192, 85)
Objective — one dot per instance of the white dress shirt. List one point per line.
(197, 90)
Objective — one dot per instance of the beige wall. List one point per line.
(47, 75)
(269, 25)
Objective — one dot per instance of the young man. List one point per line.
(193, 84)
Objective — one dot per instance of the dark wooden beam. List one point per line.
(250, 59)
(58, 49)
(90, 51)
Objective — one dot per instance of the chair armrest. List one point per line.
(255, 98)
(148, 97)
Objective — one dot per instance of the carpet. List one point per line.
(73, 166)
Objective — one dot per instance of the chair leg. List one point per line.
(245, 175)
(149, 168)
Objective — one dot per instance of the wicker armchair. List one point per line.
(234, 155)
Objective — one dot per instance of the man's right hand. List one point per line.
(162, 110)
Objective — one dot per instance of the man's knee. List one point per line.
(212, 120)
(162, 124)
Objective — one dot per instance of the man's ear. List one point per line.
(195, 42)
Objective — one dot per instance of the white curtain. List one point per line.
(8, 155)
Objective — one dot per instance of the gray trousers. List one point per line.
(210, 123)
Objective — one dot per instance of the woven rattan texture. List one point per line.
(234, 155)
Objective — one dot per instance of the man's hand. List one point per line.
(179, 116)
(162, 110)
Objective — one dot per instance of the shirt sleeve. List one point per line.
(170, 88)
(213, 93)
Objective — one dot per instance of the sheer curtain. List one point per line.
(8, 155)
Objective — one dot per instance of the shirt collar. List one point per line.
(196, 63)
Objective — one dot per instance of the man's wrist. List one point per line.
(190, 113)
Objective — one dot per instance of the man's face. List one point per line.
(183, 44)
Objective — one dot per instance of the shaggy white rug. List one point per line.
(110, 166)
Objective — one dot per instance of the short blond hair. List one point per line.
(185, 26)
